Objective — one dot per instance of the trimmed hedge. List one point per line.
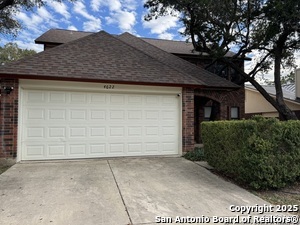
(263, 153)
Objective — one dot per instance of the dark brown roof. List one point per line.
(59, 36)
(209, 79)
(101, 57)
(177, 47)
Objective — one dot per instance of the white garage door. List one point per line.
(59, 124)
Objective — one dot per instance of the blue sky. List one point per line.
(113, 16)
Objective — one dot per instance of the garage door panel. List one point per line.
(117, 115)
(135, 131)
(36, 151)
(77, 150)
(57, 114)
(56, 151)
(36, 97)
(116, 149)
(57, 97)
(70, 124)
(35, 114)
(97, 149)
(35, 132)
(57, 132)
(168, 147)
(97, 132)
(135, 148)
(78, 98)
(97, 114)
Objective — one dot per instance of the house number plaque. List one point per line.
(109, 86)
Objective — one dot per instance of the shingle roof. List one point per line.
(209, 79)
(59, 36)
(177, 47)
(102, 57)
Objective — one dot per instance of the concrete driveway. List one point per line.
(115, 191)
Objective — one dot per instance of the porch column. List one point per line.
(187, 119)
(8, 118)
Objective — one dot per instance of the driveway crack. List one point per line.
(120, 192)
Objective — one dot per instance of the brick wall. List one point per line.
(187, 119)
(227, 99)
(8, 119)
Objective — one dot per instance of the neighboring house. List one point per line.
(102, 95)
(256, 104)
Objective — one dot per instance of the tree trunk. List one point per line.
(282, 109)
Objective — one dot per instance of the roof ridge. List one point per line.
(158, 39)
(78, 31)
(175, 58)
(185, 74)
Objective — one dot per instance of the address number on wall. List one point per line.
(109, 86)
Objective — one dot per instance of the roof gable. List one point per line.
(207, 78)
(98, 57)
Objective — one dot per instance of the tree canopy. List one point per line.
(12, 52)
(268, 28)
(8, 8)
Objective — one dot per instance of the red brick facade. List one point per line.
(227, 99)
(9, 119)
(187, 119)
(223, 100)
(9, 114)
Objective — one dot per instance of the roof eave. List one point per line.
(34, 77)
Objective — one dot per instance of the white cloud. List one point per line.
(42, 12)
(80, 9)
(125, 20)
(96, 4)
(72, 27)
(31, 22)
(161, 25)
(93, 23)
(130, 4)
(29, 45)
(60, 8)
(47, 17)
(113, 5)
(121, 12)
(166, 35)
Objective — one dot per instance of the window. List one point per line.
(234, 113)
(207, 113)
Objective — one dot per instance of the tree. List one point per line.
(11, 52)
(269, 27)
(285, 79)
(8, 8)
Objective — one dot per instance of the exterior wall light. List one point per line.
(8, 89)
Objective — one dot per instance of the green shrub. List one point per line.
(196, 155)
(263, 153)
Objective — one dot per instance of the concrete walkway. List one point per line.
(115, 192)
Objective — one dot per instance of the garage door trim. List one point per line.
(94, 87)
